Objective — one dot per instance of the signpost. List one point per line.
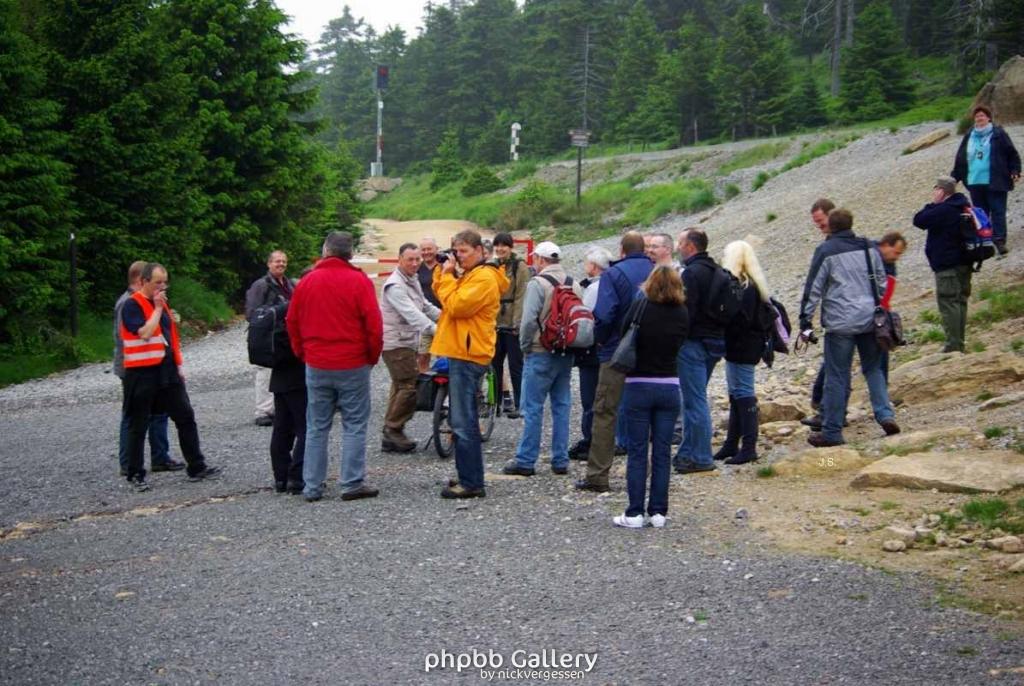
(580, 138)
(381, 76)
(513, 153)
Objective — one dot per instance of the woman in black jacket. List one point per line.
(988, 165)
(745, 340)
(650, 399)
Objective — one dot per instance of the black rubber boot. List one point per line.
(732, 437)
(749, 427)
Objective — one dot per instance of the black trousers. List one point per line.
(288, 440)
(507, 345)
(144, 395)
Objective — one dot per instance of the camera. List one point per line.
(443, 255)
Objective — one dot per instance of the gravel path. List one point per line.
(226, 582)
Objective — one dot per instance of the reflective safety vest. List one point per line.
(148, 352)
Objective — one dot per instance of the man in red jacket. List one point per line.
(335, 328)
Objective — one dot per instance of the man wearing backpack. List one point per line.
(944, 248)
(844, 271)
(270, 289)
(616, 291)
(546, 372)
(703, 348)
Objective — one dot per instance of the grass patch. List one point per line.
(1000, 304)
(995, 513)
(761, 179)
(887, 505)
(929, 317)
(947, 108)
(686, 195)
(966, 650)
(731, 191)
(930, 335)
(817, 150)
(1017, 344)
(200, 309)
(759, 154)
(977, 347)
(983, 396)
(995, 432)
(700, 616)
(770, 217)
(766, 472)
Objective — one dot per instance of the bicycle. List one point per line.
(487, 409)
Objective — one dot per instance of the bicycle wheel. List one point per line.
(487, 405)
(444, 438)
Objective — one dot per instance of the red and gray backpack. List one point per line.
(570, 324)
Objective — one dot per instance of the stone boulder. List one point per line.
(923, 441)
(784, 409)
(375, 185)
(1002, 401)
(943, 375)
(1004, 94)
(784, 431)
(821, 462)
(965, 471)
(927, 140)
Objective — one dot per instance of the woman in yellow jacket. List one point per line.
(466, 336)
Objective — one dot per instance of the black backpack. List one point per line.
(724, 299)
(267, 337)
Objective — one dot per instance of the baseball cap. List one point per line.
(547, 250)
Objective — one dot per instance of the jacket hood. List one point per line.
(957, 200)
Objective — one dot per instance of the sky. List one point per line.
(309, 17)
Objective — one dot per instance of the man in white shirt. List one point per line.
(407, 315)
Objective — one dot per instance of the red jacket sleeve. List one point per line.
(292, 322)
(890, 288)
(374, 323)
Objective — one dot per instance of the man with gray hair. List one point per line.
(335, 328)
(595, 262)
(658, 247)
(407, 315)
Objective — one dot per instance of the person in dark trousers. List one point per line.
(616, 291)
(595, 263)
(844, 270)
(988, 165)
(745, 340)
(159, 447)
(153, 378)
(944, 248)
(510, 317)
(651, 396)
(272, 288)
(703, 348)
(288, 437)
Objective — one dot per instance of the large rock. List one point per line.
(821, 462)
(785, 409)
(923, 441)
(784, 431)
(927, 140)
(943, 375)
(1002, 401)
(1004, 94)
(967, 471)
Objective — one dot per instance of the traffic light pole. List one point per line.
(379, 166)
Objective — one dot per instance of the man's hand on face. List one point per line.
(449, 265)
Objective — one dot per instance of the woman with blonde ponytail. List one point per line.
(744, 344)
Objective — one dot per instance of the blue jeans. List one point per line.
(159, 446)
(651, 411)
(545, 375)
(696, 361)
(348, 390)
(994, 204)
(740, 380)
(838, 359)
(621, 427)
(588, 389)
(464, 417)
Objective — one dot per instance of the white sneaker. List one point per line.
(658, 521)
(636, 522)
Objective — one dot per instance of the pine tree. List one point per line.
(446, 167)
(805, 107)
(34, 213)
(877, 48)
(638, 51)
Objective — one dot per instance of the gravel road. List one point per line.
(228, 583)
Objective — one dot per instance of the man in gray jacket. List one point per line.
(271, 289)
(159, 447)
(847, 278)
(545, 373)
(407, 315)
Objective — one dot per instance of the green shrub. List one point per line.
(770, 217)
(929, 317)
(686, 195)
(930, 335)
(819, 149)
(977, 347)
(766, 472)
(995, 432)
(1001, 304)
(986, 511)
(760, 180)
(520, 170)
(481, 180)
(759, 154)
(731, 191)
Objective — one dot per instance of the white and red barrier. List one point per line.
(368, 263)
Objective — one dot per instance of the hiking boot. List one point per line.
(1001, 247)
(818, 440)
(263, 420)
(584, 485)
(280, 486)
(295, 487)
(690, 467)
(396, 442)
(206, 472)
(361, 491)
(459, 492)
(512, 468)
(167, 466)
(580, 451)
(814, 421)
(139, 483)
(890, 427)
(732, 436)
(746, 410)
(560, 470)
